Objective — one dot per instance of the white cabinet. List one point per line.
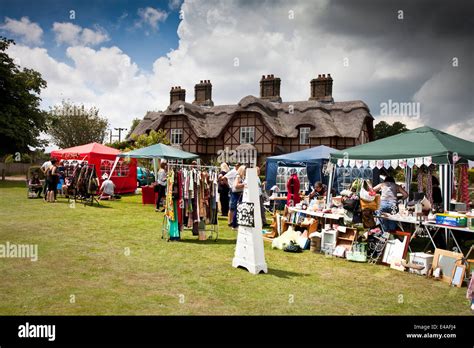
(249, 251)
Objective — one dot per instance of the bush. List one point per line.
(471, 176)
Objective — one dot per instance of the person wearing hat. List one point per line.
(107, 188)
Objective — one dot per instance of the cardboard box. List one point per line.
(451, 220)
(422, 259)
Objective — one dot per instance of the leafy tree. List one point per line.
(155, 137)
(73, 125)
(21, 120)
(120, 145)
(135, 123)
(384, 130)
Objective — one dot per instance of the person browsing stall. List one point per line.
(237, 192)
(319, 190)
(388, 199)
(260, 194)
(160, 187)
(44, 168)
(230, 176)
(52, 178)
(224, 189)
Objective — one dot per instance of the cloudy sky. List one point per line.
(123, 56)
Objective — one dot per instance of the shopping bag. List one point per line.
(366, 192)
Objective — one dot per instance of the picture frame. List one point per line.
(398, 252)
(457, 277)
(447, 261)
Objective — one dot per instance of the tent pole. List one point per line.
(113, 167)
(155, 168)
(330, 183)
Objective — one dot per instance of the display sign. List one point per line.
(245, 214)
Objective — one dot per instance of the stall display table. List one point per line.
(417, 224)
(148, 195)
(430, 227)
(317, 213)
(449, 230)
(278, 202)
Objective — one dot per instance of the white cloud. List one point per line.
(71, 34)
(29, 32)
(151, 17)
(174, 4)
(265, 40)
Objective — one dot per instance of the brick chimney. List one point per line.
(270, 88)
(321, 89)
(203, 93)
(177, 93)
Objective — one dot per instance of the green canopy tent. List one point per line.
(419, 142)
(160, 151)
(423, 145)
(156, 152)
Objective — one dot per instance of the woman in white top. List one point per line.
(388, 200)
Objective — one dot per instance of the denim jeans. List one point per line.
(236, 198)
(387, 207)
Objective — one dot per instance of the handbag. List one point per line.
(368, 218)
(292, 247)
(351, 204)
(373, 205)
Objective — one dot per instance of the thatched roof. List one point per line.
(342, 119)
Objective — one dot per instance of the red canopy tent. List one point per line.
(103, 157)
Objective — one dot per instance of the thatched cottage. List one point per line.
(265, 124)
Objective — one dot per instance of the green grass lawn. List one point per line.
(82, 253)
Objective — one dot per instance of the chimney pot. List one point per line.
(321, 88)
(270, 88)
(203, 93)
(177, 93)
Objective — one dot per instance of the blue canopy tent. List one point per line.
(312, 159)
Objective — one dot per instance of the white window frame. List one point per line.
(304, 131)
(247, 135)
(284, 173)
(175, 134)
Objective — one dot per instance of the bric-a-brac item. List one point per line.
(249, 252)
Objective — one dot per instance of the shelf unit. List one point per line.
(346, 237)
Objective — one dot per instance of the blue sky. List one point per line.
(118, 17)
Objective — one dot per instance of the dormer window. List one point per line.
(176, 136)
(247, 135)
(304, 135)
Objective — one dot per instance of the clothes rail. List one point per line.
(196, 166)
